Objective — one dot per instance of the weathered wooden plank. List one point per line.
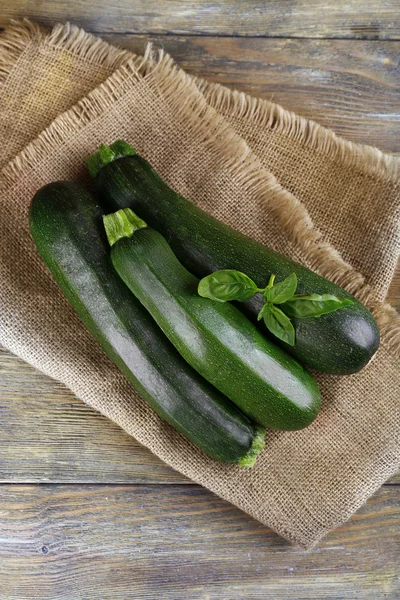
(312, 19)
(121, 542)
(49, 435)
(353, 88)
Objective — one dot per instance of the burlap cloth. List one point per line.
(286, 181)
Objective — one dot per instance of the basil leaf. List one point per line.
(279, 324)
(227, 285)
(264, 308)
(314, 305)
(282, 291)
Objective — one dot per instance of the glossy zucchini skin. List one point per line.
(341, 342)
(216, 339)
(66, 225)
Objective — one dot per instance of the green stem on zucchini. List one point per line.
(121, 224)
(107, 154)
(257, 445)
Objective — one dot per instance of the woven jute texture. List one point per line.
(328, 203)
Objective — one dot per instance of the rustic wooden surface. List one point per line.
(63, 542)
(86, 513)
(353, 88)
(354, 19)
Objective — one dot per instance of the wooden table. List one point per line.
(85, 512)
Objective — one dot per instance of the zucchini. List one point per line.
(67, 228)
(341, 342)
(216, 339)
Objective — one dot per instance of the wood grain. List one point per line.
(49, 435)
(132, 542)
(350, 87)
(259, 18)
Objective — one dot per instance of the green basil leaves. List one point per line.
(278, 323)
(228, 285)
(280, 292)
(314, 305)
(223, 286)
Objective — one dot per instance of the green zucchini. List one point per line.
(66, 225)
(216, 339)
(341, 342)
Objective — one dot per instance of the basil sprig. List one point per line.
(280, 302)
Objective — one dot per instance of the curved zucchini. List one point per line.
(340, 342)
(216, 339)
(66, 225)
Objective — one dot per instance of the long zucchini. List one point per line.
(267, 384)
(66, 225)
(341, 342)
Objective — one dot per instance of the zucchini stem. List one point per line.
(257, 445)
(107, 154)
(122, 224)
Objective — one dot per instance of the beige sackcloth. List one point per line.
(326, 202)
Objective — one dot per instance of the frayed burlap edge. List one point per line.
(235, 155)
(20, 34)
(262, 113)
(13, 41)
(86, 46)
